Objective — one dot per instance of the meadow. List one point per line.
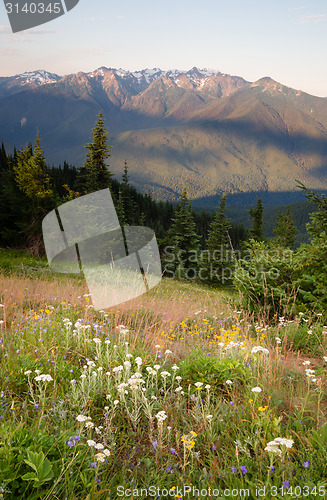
(176, 394)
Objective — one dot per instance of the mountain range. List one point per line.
(219, 133)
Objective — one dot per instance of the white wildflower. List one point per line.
(117, 369)
(82, 418)
(100, 456)
(161, 416)
(285, 442)
(99, 446)
(43, 378)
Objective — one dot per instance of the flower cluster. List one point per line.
(258, 348)
(188, 440)
(274, 446)
(73, 440)
(43, 378)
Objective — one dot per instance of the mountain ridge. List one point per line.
(216, 131)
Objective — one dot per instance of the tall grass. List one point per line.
(174, 390)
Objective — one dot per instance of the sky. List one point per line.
(283, 39)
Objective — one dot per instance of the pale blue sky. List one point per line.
(283, 39)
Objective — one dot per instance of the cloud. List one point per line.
(293, 9)
(38, 32)
(87, 51)
(21, 37)
(315, 18)
(4, 30)
(93, 19)
(120, 17)
(8, 52)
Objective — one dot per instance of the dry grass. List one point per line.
(20, 294)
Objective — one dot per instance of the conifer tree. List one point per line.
(30, 174)
(128, 203)
(218, 257)
(120, 209)
(285, 229)
(183, 242)
(219, 227)
(94, 175)
(257, 218)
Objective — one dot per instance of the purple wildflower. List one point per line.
(243, 469)
(155, 445)
(286, 484)
(307, 464)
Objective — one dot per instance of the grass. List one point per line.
(175, 390)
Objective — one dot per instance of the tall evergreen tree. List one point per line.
(219, 227)
(218, 256)
(30, 174)
(128, 202)
(119, 205)
(94, 175)
(285, 229)
(257, 219)
(182, 242)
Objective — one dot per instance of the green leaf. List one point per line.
(29, 476)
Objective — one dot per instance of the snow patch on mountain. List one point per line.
(39, 77)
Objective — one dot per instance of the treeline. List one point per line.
(29, 189)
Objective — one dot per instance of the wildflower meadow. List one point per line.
(177, 394)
